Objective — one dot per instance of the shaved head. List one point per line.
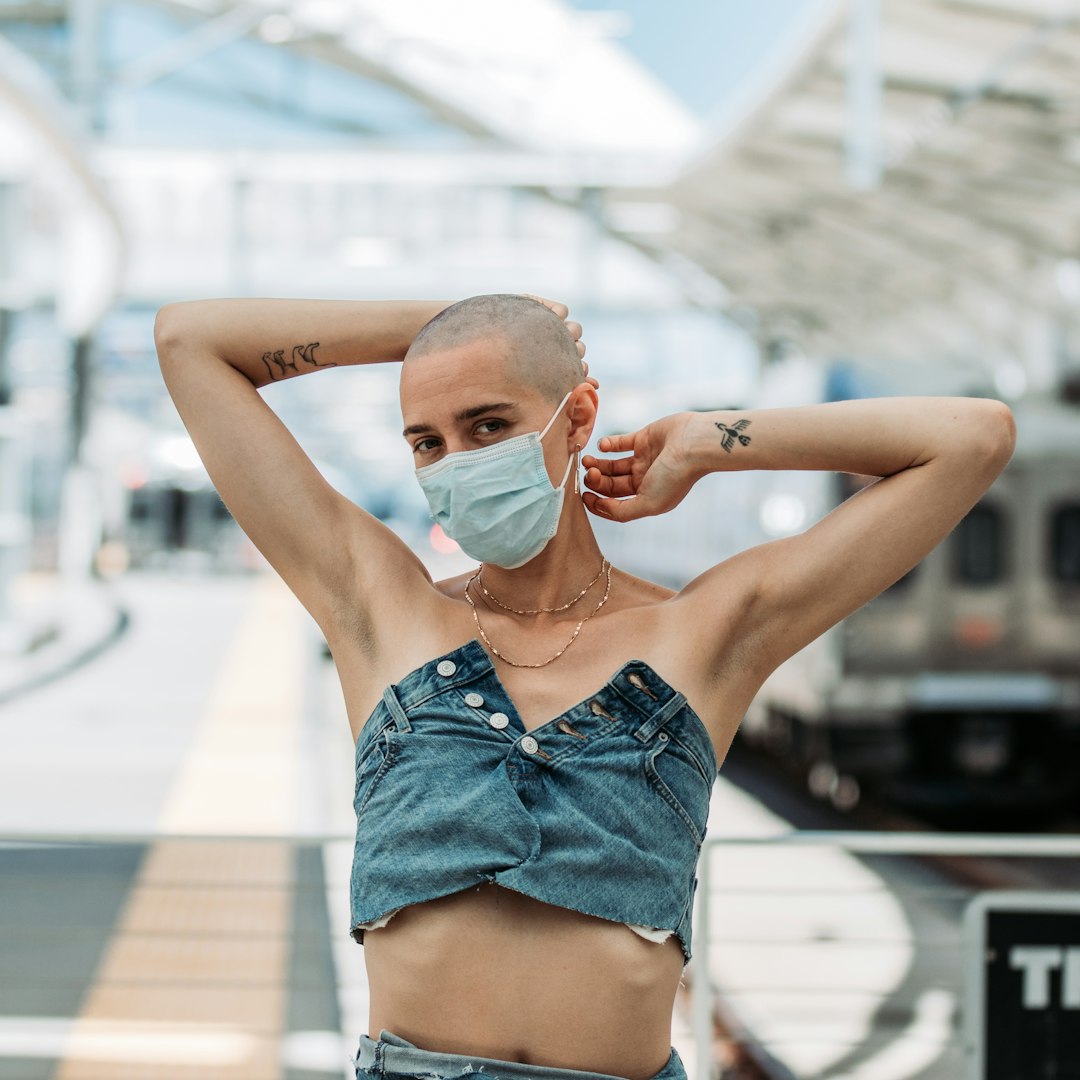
(539, 350)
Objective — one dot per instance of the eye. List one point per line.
(424, 446)
(489, 427)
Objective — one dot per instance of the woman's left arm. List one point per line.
(935, 457)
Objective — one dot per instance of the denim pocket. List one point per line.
(374, 760)
(677, 776)
(376, 745)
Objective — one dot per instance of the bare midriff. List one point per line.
(494, 973)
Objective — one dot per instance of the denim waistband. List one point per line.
(391, 1054)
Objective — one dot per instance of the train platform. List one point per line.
(52, 626)
(157, 958)
(175, 823)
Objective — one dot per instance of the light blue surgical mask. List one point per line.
(497, 502)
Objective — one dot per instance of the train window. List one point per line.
(141, 504)
(1065, 543)
(978, 548)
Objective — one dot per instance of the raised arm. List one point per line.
(214, 355)
(935, 456)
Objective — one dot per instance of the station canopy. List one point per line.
(905, 184)
(898, 178)
(534, 74)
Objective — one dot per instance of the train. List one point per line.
(956, 691)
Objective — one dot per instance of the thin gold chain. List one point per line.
(542, 610)
(573, 637)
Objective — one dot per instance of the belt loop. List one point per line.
(659, 718)
(393, 706)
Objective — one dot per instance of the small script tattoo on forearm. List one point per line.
(734, 431)
(277, 365)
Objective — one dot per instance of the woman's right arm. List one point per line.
(339, 561)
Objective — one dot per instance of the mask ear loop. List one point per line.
(547, 427)
(555, 415)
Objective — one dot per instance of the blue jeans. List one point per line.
(392, 1056)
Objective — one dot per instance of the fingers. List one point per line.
(575, 333)
(613, 487)
(608, 466)
(562, 311)
(616, 509)
(616, 444)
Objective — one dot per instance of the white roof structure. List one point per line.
(899, 179)
(908, 186)
(534, 74)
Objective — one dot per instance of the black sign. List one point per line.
(1023, 986)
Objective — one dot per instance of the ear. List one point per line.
(583, 406)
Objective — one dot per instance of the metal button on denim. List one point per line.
(475, 700)
(531, 808)
(446, 667)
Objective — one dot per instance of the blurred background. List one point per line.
(746, 205)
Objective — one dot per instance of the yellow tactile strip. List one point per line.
(192, 983)
(239, 775)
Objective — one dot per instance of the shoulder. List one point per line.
(641, 591)
(453, 588)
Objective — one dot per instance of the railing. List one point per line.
(125, 956)
(830, 955)
(834, 966)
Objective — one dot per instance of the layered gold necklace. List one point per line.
(478, 578)
(605, 568)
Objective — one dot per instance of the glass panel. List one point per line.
(977, 547)
(1065, 543)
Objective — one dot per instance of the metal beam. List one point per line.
(862, 143)
(206, 38)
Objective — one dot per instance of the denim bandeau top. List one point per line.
(601, 809)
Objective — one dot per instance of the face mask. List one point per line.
(497, 502)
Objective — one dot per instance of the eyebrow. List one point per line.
(465, 414)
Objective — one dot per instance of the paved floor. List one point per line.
(170, 957)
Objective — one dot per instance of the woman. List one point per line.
(536, 739)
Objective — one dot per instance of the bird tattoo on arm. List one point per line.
(734, 431)
(299, 352)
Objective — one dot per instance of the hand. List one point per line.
(562, 311)
(652, 480)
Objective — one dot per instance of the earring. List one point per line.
(577, 489)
